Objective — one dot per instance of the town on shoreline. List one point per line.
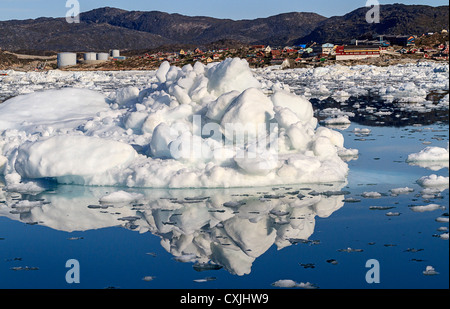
(379, 51)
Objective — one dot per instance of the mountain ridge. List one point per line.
(111, 28)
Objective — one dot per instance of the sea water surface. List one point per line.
(324, 236)
(241, 238)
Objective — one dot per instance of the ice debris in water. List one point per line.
(371, 194)
(190, 127)
(398, 191)
(433, 181)
(430, 271)
(430, 154)
(288, 283)
(424, 208)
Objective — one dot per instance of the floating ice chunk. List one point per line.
(287, 283)
(371, 194)
(120, 197)
(363, 131)
(30, 187)
(424, 208)
(61, 156)
(430, 154)
(444, 236)
(350, 250)
(207, 279)
(392, 214)
(65, 108)
(434, 181)
(430, 271)
(226, 94)
(398, 191)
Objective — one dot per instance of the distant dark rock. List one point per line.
(395, 19)
(109, 28)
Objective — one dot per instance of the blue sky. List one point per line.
(234, 9)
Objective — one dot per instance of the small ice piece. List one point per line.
(350, 250)
(430, 271)
(207, 279)
(444, 236)
(434, 181)
(430, 154)
(121, 197)
(430, 207)
(381, 207)
(363, 131)
(371, 194)
(392, 214)
(442, 219)
(398, 191)
(352, 200)
(148, 278)
(287, 283)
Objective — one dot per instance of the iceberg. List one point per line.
(195, 126)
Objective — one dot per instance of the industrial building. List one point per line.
(66, 59)
(70, 59)
(355, 52)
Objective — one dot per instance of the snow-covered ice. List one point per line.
(196, 126)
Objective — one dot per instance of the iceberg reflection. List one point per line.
(212, 228)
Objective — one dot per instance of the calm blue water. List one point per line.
(254, 242)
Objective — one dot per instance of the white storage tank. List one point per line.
(102, 56)
(115, 53)
(90, 56)
(67, 59)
